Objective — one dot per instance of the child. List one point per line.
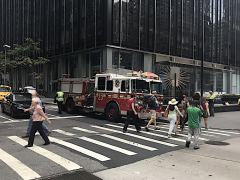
(194, 117)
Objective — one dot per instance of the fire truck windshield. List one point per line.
(156, 86)
(140, 86)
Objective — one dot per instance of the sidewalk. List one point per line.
(209, 162)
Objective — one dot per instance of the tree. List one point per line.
(23, 56)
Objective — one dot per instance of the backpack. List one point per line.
(152, 102)
(171, 107)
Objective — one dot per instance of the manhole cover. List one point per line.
(217, 143)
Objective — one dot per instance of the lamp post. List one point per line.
(5, 63)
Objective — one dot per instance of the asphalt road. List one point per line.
(83, 145)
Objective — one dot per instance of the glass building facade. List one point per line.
(84, 37)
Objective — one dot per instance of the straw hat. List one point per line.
(173, 102)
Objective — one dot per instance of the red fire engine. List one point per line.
(108, 93)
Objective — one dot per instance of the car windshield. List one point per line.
(4, 89)
(140, 86)
(23, 97)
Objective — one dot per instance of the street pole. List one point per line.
(5, 63)
(175, 85)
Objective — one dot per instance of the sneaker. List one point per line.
(188, 144)
(196, 147)
(146, 128)
(169, 136)
(157, 128)
(124, 131)
(138, 131)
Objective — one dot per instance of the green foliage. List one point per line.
(26, 55)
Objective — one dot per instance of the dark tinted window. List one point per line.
(4, 89)
(23, 97)
(109, 85)
(101, 83)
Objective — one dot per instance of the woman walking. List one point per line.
(206, 113)
(38, 117)
(172, 111)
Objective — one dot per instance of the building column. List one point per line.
(107, 59)
(225, 81)
(148, 64)
(229, 82)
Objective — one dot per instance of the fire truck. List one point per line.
(108, 93)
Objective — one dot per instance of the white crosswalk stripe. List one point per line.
(136, 136)
(84, 130)
(63, 132)
(69, 165)
(109, 146)
(113, 138)
(21, 169)
(129, 142)
(149, 133)
(210, 131)
(184, 135)
(80, 149)
(222, 131)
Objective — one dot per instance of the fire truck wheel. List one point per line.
(70, 106)
(112, 112)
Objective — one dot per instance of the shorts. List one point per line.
(153, 114)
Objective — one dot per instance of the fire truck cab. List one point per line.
(108, 93)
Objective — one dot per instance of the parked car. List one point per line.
(15, 103)
(29, 89)
(4, 91)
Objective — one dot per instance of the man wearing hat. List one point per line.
(173, 111)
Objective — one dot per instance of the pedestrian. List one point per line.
(132, 115)
(184, 103)
(35, 96)
(205, 110)
(38, 117)
(59, 98)
(153, 104)
(211, 103)
(194, 118)
(172, 111)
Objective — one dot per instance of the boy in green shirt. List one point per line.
(194, 117)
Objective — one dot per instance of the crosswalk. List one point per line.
(106, 144)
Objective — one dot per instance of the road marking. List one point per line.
(66, 117)
(136, 136)
(216, 130)
(7, 118)
(109, 146)
(67, 164)
(84, 130)
(63, 132)
(184, 135)
(128, 142)
(21, 169)
(80, 149)
(51, 115)
(218, 133)
(15, 121)
(149, 133)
